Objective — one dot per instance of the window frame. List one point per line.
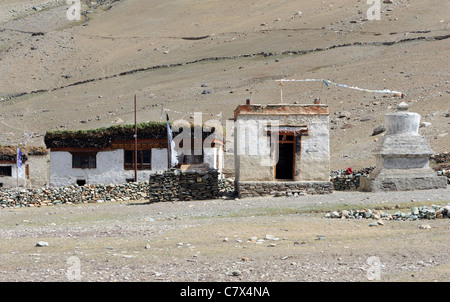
(91, 160)
(6, 168)
(140, 165)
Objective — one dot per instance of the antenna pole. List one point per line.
(135, 141)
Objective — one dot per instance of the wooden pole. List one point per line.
(17, 165)
(135, 141)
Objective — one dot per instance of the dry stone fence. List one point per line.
(348, 182)
(174, 185)
(47, 196)
(170, 185)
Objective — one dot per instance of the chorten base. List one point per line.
(401, 183)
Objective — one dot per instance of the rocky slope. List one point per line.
(61, 74)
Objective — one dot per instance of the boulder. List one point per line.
(378, 130)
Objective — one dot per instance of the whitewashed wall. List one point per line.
(160, 160)
(17, 177)
(110, 168)
(213, 157)
(38, 170)
(315, 150)
(311, 164)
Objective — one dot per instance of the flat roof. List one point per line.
(281, 109)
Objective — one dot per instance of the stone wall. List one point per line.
(277, 189)
(441, 164)
(351, 182)
(47, 196)
(441, 158)
(226, 188)
(174, 185)
(343, 182)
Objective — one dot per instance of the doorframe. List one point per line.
(293, 142)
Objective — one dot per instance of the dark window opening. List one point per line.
(5, 171)
(143, 159)
(84, 160)
(81, 182)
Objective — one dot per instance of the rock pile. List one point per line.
(444, 173)
(442, 164)
(174, 185)
(226, 187)
(441, 158)
(47, 196)
(424, 212)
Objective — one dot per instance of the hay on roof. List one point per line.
(9, 152)
(103, 137)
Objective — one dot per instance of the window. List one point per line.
(5, 171)
(81, 182)
(84, 160)
(143, 159)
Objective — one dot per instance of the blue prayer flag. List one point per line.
(19, 157)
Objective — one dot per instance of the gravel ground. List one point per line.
(235, 240)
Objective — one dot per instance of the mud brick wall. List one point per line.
(174, 185)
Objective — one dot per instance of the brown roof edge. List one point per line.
(11, 150)
(282, 109)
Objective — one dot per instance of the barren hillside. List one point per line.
(61, 74)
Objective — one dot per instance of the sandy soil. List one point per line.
(248, 240)
(76, 67)
(60, 74)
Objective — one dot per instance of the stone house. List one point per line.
(32, 173)
(282, 149)
(107, 155)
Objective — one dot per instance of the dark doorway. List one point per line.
(285, 166)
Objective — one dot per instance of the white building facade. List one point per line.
(111, 166)
(111, 158)
(292, 145)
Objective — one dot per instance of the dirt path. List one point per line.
(255, 239)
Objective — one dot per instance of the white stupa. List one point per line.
(402, 157)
